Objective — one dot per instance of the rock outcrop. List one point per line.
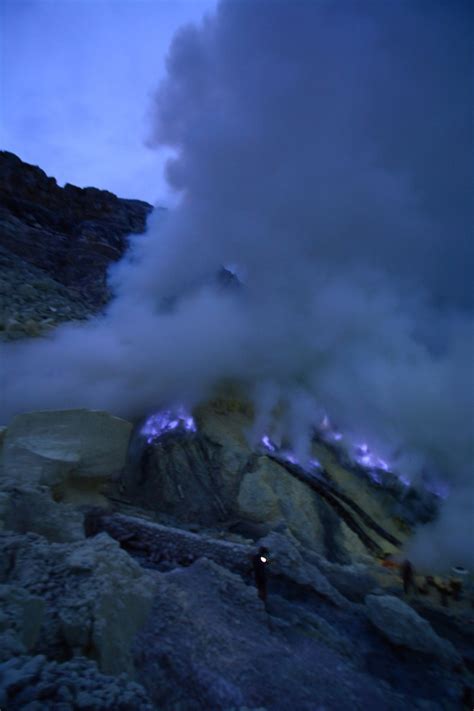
(55, 247)
(87, 598)
(403, 626)
(74, 452)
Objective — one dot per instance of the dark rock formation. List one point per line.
(65, 237)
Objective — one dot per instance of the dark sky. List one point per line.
(76, 80)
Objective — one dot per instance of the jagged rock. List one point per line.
(401, 625)
(96, 597)
(79, 230)
(180, 475)
(73, 451)
(35, 684)
(192, 477)
(32, 510)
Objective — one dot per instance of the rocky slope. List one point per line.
(125, 550)
(55, 246)
(107, 596)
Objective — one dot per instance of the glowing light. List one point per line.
(165, 421)
(263, 559)
(266, 441)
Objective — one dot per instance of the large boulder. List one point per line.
(33, 510)
(72, 451)
(401, 625)
(96, 597)
(269, 494)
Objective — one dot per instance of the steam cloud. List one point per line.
(324, 149)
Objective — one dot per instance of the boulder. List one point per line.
(72, 451)
(33, 510)
(96, 597)
(270, 495)
(401, 625)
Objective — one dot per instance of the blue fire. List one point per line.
(366, 458)
(165, 421)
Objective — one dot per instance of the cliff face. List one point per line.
(57, 242)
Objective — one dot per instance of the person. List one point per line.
(408, 576)
(260, 562)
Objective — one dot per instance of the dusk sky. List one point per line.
(77, 78)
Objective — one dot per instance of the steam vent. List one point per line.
(236, 415)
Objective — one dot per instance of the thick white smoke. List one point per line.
(323, 148)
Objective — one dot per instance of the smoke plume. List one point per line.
(322, 151)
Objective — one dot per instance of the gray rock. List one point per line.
(287, 560)
(36, 684)
(401, 625)
(95, 595)
(63, 448)
(32, 510)
(21, 614)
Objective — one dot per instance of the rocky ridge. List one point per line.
(55, 247)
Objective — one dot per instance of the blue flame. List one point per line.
(165, 421)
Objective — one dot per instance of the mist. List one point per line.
(322, 150)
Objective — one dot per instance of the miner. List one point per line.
(260, 562)
(408, 576)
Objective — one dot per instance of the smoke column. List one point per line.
(324, 148)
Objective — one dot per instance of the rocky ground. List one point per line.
(125, 564)
(107, 598)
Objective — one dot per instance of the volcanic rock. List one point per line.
(37, 684)
(403, 626)
(95, 596)
(21, 617)
(286, 560)
(57, 242)
(72, 451)
(33, 510)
